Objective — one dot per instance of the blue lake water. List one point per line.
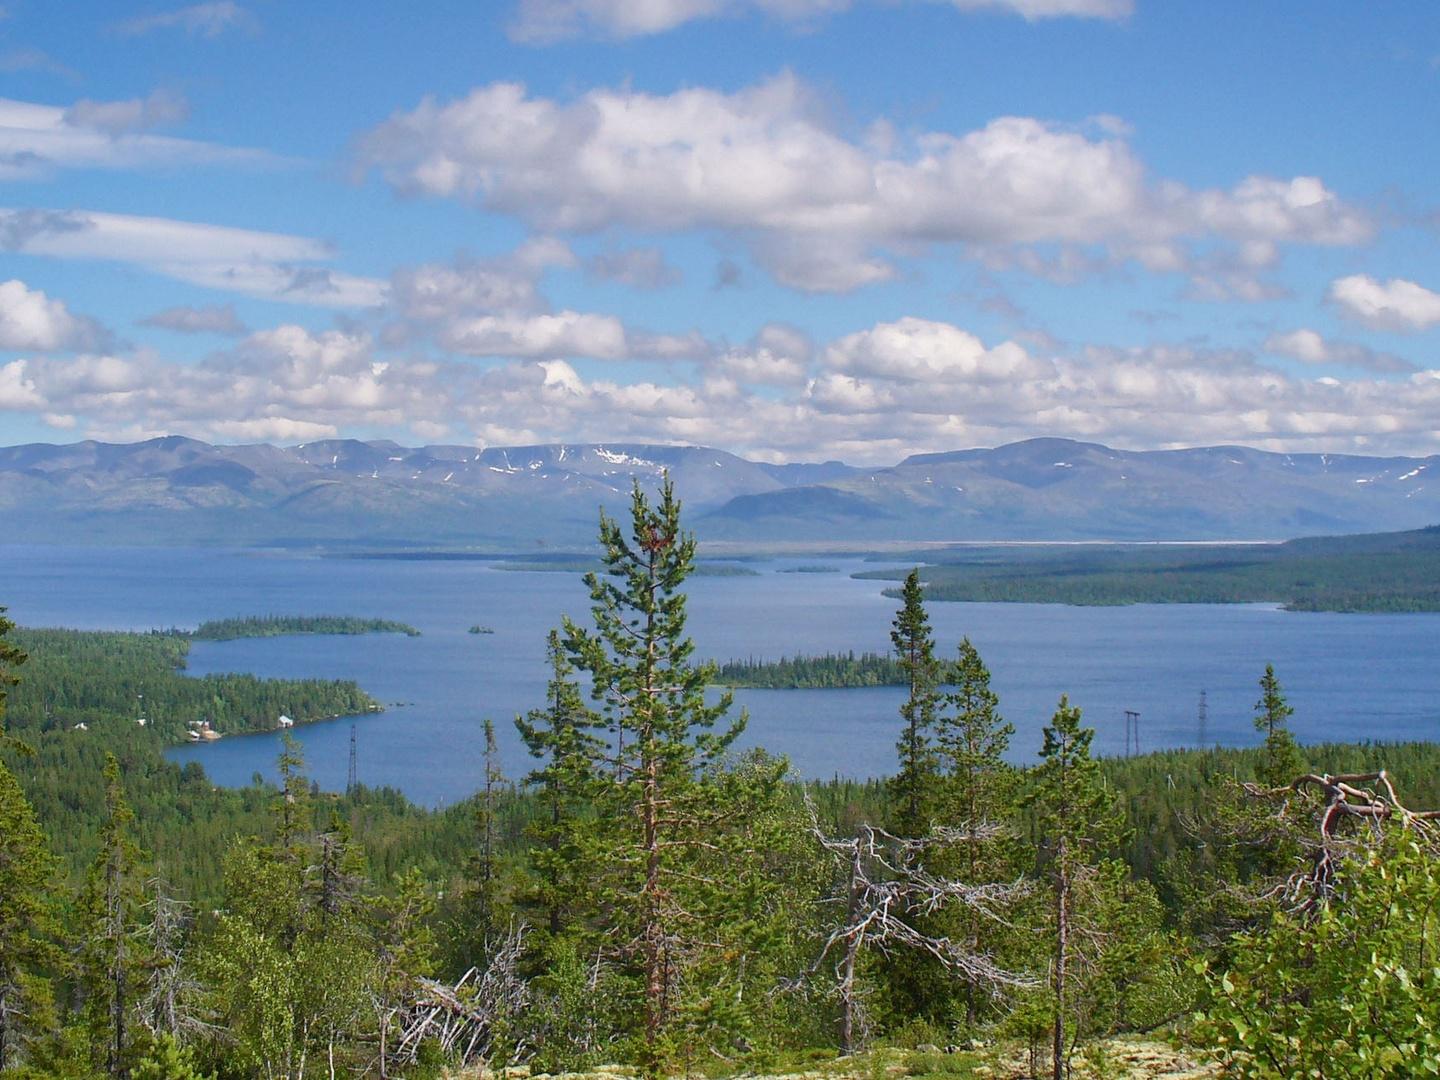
(1350, 677)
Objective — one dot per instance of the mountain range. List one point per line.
(176, 490)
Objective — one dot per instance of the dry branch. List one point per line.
(886, 887)
(1351, 806)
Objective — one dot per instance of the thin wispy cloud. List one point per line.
(276, 266)
(217, 319)
(19, 61)
(208, 20)
(39, 140)
(544, 21)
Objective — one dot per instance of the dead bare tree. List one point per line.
(886, 887)
(473, 1022)
(168, 996)
(1347, 809)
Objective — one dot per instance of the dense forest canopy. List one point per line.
(646, 894)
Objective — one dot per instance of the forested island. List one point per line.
(814, 672)
(649, 895)
(1384, 572)
(264, 626)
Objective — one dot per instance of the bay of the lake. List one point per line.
(1350, 677)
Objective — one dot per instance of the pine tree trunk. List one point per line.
(555, 877)
(654, 931)
(117, 1060)
(4, 1028)
(852, 950)
(972, 851)
(117, 977)
(654, 958)
(1062, 942)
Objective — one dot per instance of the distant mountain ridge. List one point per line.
(176, 490)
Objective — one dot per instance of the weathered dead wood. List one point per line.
(168, 1002)
(1351, 808)
(473, 1019)
(886, 887)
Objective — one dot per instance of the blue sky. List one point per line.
(795, 229)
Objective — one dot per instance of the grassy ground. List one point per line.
(1113, 1059)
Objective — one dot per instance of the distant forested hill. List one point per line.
(1366, 573)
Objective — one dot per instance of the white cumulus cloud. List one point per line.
(822, 211)
(918, 350)
(16, 390)
(1396, 304)
(1308, 346)
(30, 320)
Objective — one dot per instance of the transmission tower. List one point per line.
(1202, 717)
(1132, 732)
(351, 779)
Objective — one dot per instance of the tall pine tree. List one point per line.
(669, 826)
(912, 790)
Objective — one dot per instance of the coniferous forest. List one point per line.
(648, 897)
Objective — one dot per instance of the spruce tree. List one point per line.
(669, 828)
(1079, 825)
(971, 739)
(27, 925)
(292, 801)
(111, 966)
(561, 736)
(288, 956)
(913, 787)
(978, 790)
(11, 657)
(1280, 761)
(484, 869)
